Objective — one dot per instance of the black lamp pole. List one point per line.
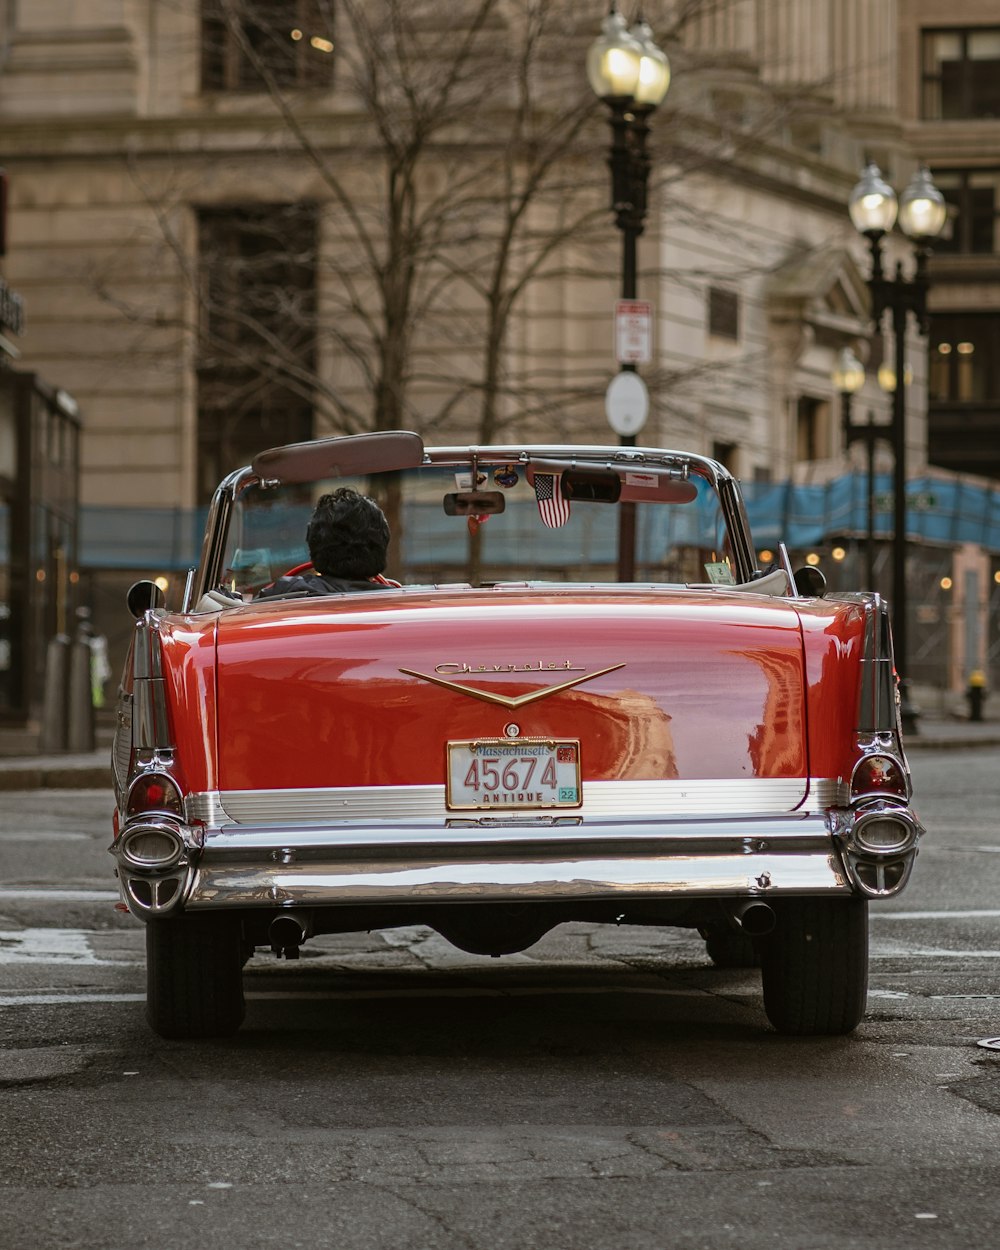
(629, 163)
(631, 75)
(869, 433)
(900, 296)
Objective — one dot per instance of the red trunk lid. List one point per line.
(655, 685)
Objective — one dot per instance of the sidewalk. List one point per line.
(57, 772)
(93, 771)
(953, 733)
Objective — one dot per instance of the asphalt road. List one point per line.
(609, 1089)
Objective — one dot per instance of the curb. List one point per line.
(949, 744)
(35, 777)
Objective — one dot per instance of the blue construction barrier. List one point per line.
(940, 511)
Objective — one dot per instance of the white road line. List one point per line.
(62, 1000)
(930, 952)
(13, 895)
(970, 914)
(44, 835)
(28, 999)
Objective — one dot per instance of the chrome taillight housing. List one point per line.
(154, 792)
(880, 775)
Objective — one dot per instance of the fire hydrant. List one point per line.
(976, 693)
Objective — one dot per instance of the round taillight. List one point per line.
(878, 774)
(154, 792)
(882, 834)
(151, 846)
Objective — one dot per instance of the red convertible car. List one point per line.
(510, 738)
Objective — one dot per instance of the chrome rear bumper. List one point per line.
(511, 862)
(497, 859)
(547, 880)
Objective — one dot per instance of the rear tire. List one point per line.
(730, 948)
(814, 966)
(194, 976)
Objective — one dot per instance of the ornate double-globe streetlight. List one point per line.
(631, 75)
(921, 213)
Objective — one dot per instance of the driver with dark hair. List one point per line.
(347, 537)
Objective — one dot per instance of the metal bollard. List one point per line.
(80, 732)
(54, 705)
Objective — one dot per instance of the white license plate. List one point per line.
(514, 773)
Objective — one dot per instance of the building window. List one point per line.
(246, 44)
(723, 313)
(961, 73)
(974, 194)
(965, 358)
(727, 455)
(257, 336)
(812, 428)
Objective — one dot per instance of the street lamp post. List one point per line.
(631, 75)
(922, 214)
(848, 377)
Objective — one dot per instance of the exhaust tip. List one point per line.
(286, 931)
(754, 917)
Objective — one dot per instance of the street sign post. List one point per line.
(633, 331)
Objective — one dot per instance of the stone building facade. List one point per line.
(148, 167)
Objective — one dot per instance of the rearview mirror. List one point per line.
(810, 582)
(475, 503)
(142, 596)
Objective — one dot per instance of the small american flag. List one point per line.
(552, 508)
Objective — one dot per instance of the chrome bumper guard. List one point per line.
(878, 871)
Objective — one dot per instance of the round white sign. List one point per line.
(626, 403)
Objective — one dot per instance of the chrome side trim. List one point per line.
(473, 839)
(150, 727)
(220, 885)
(877, 713)
(121, 750)
(206, 807)
(601, 800)
(147, 648)
(150, 724)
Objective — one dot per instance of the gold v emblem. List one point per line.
(511, 701)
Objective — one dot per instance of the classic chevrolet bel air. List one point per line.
(509, 738)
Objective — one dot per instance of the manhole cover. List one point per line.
(989, 1043)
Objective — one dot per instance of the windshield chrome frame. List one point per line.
(725, 485)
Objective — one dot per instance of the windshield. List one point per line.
(514, 523)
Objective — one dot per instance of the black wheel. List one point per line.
(730, 948)
(814, 966)
(194, 976)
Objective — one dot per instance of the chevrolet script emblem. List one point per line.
(504, 700)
